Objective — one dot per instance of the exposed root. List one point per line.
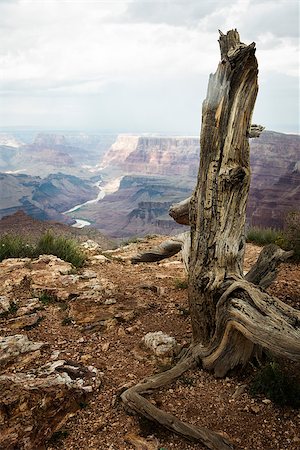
(133, 398)
(264, 271)
(247, 319)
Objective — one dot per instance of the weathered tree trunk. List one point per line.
(218, 206)
(232, 319)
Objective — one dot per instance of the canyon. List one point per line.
(148, 174)
(162, 170)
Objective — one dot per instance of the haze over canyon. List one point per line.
(124, 185)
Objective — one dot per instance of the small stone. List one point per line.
(111, 324)
(85, 358)
(255, 409)
(161, 344)
(239, 391)
(121, 332)
(4, 304)
(105, 346)
(266, 401)
(55, 354)
(88, 274)
(110, 301)
(99, 259)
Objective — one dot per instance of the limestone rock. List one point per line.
(160, 344)
(13, 346)
(99, 259)
(4, 304)
(42, 399)
(91, 246)
(24, 321)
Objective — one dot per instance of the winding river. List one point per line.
(108, 188)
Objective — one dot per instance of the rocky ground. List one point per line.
(79, 344)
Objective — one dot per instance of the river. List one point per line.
(108, 188)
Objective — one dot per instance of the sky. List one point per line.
(139, 66)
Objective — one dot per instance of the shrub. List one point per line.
(66, 249)
(288, 238)
(46, 297)
(180, 284)
(12, 246)
(272, 382)
(264, 236)
(292, 233)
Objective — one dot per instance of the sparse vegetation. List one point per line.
(288, 238)
(292, 233)
(180, 284)
(13, 246)
(132, 240)
(47, 297)
(13, 308)
(276, 385)
(66, 249)
(66, 321)
(58, 436)
(264, 236)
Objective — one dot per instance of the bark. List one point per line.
(264, 271)
(168, 248)
(217, 208)
(232, 319)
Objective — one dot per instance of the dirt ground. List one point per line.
(226, 405)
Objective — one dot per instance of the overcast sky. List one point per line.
(139, 66)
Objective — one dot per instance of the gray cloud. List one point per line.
(174, 12)
(138, 65)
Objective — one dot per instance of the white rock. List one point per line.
(90, 245)
(4, 304)
(87, 274)
(99, 259)
(161, 344)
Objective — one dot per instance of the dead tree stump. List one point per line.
(231, 317)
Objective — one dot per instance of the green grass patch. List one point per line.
(264, 236)
(180, 284)
(13, 246)
(47, 297)
(13, 308)
(66, 249)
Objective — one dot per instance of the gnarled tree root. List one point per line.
(247, 318)
(133, 398)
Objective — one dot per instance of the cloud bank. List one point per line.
(138, 65)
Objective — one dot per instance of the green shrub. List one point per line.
(272, 382)
(264, 236)
(47, 297)
(180, 284)
(12, 246)
(292, 233)
(66, 249)
(288, 238)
